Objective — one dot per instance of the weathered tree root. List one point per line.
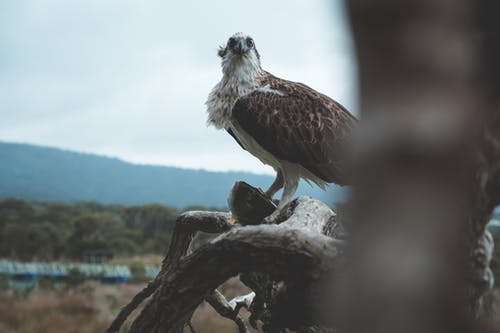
(295, 254)
(221, 305)
(271, 249)
(186, 226)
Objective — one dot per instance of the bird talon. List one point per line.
(271, 218)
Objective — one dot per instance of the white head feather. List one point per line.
(242, 74)
(244, 65)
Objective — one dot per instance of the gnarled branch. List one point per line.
(294, 255)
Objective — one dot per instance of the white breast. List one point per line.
(222, 99)
(241, 77)
(254, 148)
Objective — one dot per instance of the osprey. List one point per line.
(287, 125)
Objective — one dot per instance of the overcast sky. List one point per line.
(129, 78)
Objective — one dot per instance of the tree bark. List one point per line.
(427, 166)
(296, 254)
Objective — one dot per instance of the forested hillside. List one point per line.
(46, 174)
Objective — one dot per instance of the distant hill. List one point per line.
(47, 174)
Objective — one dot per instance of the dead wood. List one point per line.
(294, 255)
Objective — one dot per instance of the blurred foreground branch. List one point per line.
(427, 164)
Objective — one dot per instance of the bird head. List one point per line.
(239, 51)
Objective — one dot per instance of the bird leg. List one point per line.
(289, 190)
(275, 186)
(290, 187)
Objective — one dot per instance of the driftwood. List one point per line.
(285, 263)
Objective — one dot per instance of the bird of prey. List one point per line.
(287, 125)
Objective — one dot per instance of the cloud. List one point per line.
(129, 79)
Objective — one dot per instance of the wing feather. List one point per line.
(298, 125)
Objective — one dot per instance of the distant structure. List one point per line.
(26, 274)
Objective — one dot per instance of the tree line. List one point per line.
(39, 231)
(34, 231)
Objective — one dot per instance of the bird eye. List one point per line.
(250, 42)
(231, 42)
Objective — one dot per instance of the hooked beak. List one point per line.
(240, 47)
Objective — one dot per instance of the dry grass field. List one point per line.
(89, 308)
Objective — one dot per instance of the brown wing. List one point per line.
(299, 125)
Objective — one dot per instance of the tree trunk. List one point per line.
(427, 163)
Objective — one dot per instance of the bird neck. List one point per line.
(241, 76)
(242, 73)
